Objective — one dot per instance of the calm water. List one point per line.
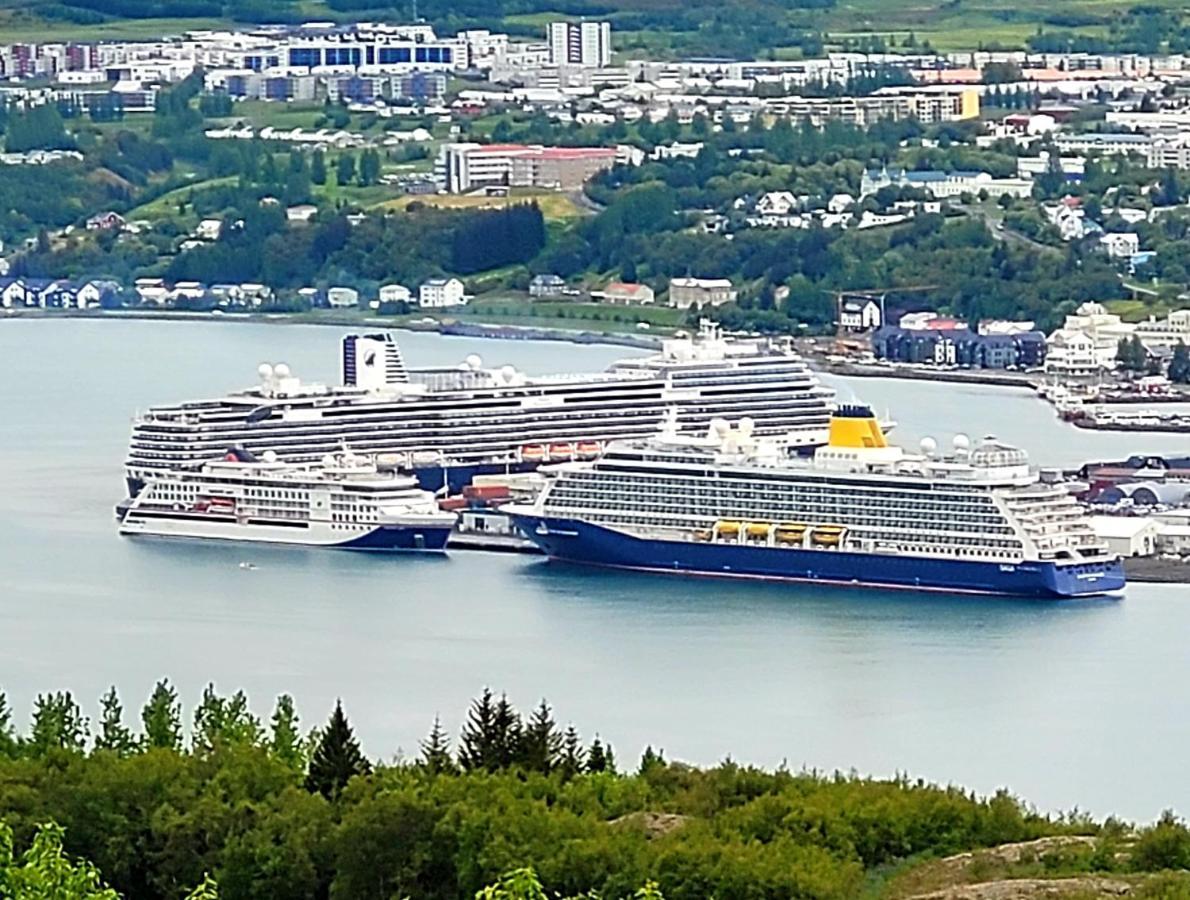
(1082, 703)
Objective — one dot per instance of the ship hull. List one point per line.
(388, 538)
(576, 541)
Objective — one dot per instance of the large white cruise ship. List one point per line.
(447, 424)
(345, 502)
(858, 512)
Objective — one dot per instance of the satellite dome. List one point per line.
(328, 460)
(265, 371)
(281, 370)
(720, 427)
(747, 426)
(508, 373)
(474, 361)
(928, 446)
(269, 456)
(961, 443)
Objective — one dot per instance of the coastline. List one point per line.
(451, 328)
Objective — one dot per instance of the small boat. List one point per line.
(532, 453)
(248, 566)
(561, 451)
(758, 530)
(727, 529)
(588, 449)
(790, 533)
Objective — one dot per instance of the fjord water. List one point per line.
(1078, 703)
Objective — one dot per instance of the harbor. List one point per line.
(815, 676)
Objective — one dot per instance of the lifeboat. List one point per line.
(827, 535)
(703, 534)
(727, 529)
(532, 453)
(790, 533)
(588, 449)
(757, 531)
(561, 450)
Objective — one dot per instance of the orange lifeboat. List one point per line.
(561, 450)
(532, 453)
(588, 449)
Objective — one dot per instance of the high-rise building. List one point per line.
(587, 44)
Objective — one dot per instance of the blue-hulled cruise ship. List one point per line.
(859, 512)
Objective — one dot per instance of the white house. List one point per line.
(208, 229)
(699, 292)
(840, 203)
(779, 203)
(93, 292)
(394, 293)
(302, 212)
(341, 297)
(1119, 245)
(151, 290)
(438, 293)
(1127, 535)
(859, 314)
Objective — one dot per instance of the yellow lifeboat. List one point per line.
(759, 530)
(827, 535)
(727, 529)
(790, 533)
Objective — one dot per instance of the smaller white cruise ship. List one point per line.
(345, 502)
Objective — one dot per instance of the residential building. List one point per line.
(624, 293)
(394, 293)
(302, 212)
(685, 293)
(547, 286)
(584, 44)
(959, 347)
(105, 221)
(1119, 245)
(859, 314)
(944, 184)
(463, 167)
(441, 293)
(340, 297)
(1161, 334)
(98, 292)
(1127, 536)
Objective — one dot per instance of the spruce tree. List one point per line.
(541, 742)
(8, 738)
(598, 757)
(507, 735)
(651, 760)
(475, 740)
(285, 742)
(435, 750)
(337, 758)
(573, 756)
(114, 736)
(162, 718)
(318, 167)
(344, 169)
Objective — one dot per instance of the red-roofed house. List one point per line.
(624, 293)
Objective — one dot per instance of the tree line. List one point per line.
(268, 809)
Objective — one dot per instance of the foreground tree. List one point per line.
(337, 758)
(435, 750)
(45, 873)
(8, 738)
(286, 741)
(58, 723)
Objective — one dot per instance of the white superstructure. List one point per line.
(346, 501)
(468, 415)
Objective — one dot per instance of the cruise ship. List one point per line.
(448, 424)
(346, 502)
(858, 512)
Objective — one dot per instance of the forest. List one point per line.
(517, 807)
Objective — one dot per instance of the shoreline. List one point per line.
(452, 328)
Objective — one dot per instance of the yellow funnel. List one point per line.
(855, 426)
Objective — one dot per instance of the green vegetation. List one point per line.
(523, 808)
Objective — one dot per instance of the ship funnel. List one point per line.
(855, 426)
(372, 361)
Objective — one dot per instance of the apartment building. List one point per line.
(465, 167)
(585, 44)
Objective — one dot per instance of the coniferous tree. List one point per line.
(337, 758)
(285, 743)
(507, 735)
(224, 722)
(8, 737)
(318, 167)
(58, 723)
(600, 757)
(573, 756)
(541, 742)
(1179, 364)
(435, 750)
(297, 162)
(114, 735)
(651, 760)
(162, 718)
(345, 169)
(475, 740)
